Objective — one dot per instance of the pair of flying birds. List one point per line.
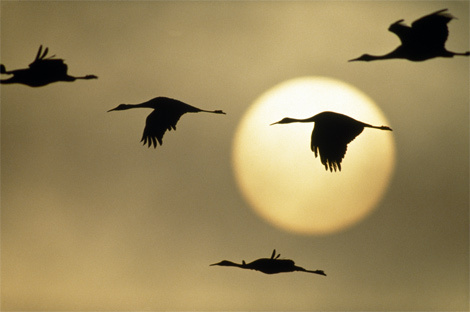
(330, 136)
(425, 39)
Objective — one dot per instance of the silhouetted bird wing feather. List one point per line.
(157, 123)
(401, 30)
(49, 66)
(428, 31)
(330, 140)
(431, 30)
(164, 117)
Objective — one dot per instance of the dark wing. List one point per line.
(50, 66)
(157, 123)
(428, 31)
(273, 254)
(40, 55)
(401, 30)
(432, 29)
(330, 140)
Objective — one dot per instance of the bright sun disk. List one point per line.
(279, 175)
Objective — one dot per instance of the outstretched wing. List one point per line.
(401, 30)
(330, 140)
(428, 31)
(273, 255)
(50, 65)
(157, 123)
(431, 30)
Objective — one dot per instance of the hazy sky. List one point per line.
(92, 220)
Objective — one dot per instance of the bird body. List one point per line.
(41, 71)
(271, 265)
(331, 135)
(425, 39)
(165, 116)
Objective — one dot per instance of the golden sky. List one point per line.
(92, 220)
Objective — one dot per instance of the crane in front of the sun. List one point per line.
(331, 134)
(41, 71)
(271, 265)
(165, 115)
(425, 39)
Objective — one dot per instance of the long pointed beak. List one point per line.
(111, 110)
(274, 123)
(352, 60)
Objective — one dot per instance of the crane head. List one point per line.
(222, 263)
(229, 263)
(321, 272)
(283, 121)
(385, 128)
(120, 107)
(363, 57)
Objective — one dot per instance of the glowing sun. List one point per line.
(279, 175)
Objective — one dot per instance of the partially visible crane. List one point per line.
(425, 39)
(41, 71)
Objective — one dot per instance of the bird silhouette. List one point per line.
(41, 71)
(425, 39)
(271, 265)
(331, 134)
(166, 114)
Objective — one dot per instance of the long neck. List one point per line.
(392, 55)
(213, 112)
(458, 53)
(290, 120)
(230, 263)
(377, 127)
(397, 53)
(147, 104)
(72, 78)
(321, 272)
(243, 266)
(316, 272)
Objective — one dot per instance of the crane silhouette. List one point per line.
(271, 265)
(425, 39)
(41, 71)
(166, 114)
(331, 135)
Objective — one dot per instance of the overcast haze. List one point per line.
(93, 220)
